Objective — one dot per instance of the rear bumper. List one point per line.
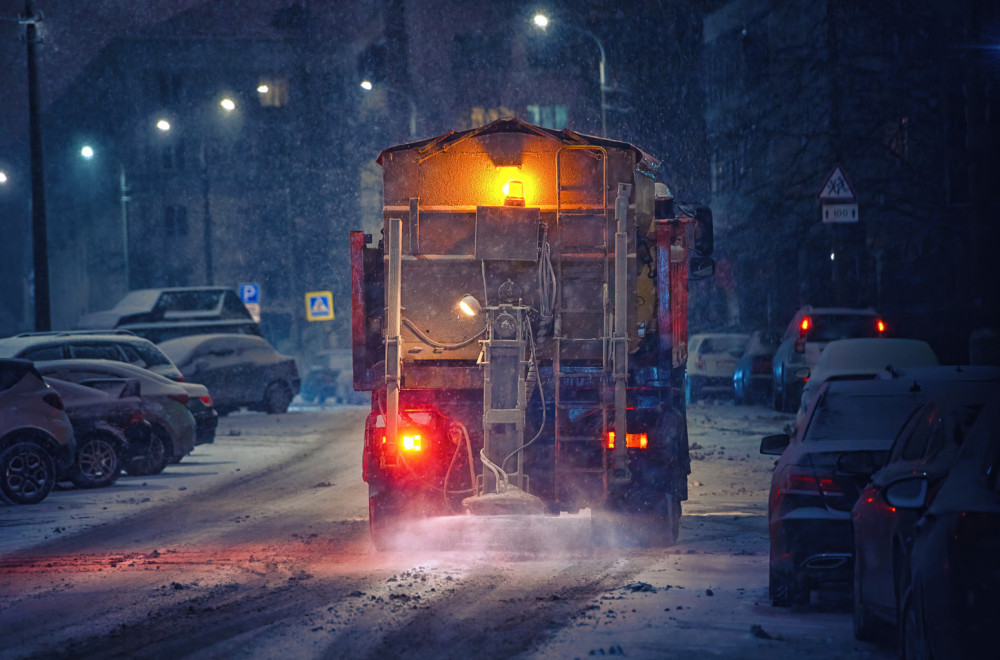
(818, 549)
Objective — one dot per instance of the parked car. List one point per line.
(109, 428)
(860, 359)
(161, 314)
(952, 604)
(752, 373)
(120, 346)
(331, 377)
(711, 361)
(811, 495)
(164, 405)
(809, 331)
(238, 370)
(927, 445)
(36, 436)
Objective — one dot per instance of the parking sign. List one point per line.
(250, 293)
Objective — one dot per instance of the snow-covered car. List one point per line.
(952, 604)
(109, 428)
(238, 370)
(860, 359)
(330, 377)
(164, 405)
(811, 496)
(120, 346)
(161, 314)
(928, 446)
(807, 334)
(711, 361)
(752, 373)
(36, 436)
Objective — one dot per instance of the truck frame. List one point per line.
(522, 328)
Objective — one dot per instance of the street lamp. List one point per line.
(228, 106)
(87, 153)
(542, 22)
(368, 86)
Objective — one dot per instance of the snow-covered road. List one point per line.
(257, 546)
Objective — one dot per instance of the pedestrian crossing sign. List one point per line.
(319, 305)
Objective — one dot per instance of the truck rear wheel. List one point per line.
(383, 517)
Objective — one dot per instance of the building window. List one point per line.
(175, 220)
(549, 116)
(483, 116)
(273, 92)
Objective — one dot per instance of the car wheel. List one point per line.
(156, 456)
(739, 391)
(27, 473)
(98, 461)
(866, 627)
(912, 644)
(784, 587)
(277, 398)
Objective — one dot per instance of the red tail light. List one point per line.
(632, 440)
(206, 400)
(701, 363)
(136, 417)
(804, 481)
(805, 325)
(880, 326)
(54, 400)
(180, 398)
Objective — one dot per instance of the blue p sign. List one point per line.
(250, 293)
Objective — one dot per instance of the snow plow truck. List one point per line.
(522, 326)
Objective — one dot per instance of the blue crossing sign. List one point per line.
(319, 305)
(250, 293)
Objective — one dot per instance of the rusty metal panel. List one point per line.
(507, 233)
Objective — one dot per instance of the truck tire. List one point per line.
(383, 516)
(644, 529)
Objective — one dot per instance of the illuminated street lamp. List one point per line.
(542, 22)
(87, 153)
(3, 177)
(368, 86)
(228, 105)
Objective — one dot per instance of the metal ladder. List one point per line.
(582, 264)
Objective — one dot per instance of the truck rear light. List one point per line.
(54, 400)
(410, 442)
(632, 440)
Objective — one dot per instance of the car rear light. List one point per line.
(805, 325)
(880, 326)
(805, 481)
(180, 379)
(136, 417)
(632, 440)
(180, 398)
(54, 400)
(701, 363)
(206, 400)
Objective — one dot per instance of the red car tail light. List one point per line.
(805, 481)
(180, 398)
(54, 400)
(206, 400)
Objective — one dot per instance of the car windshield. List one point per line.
(859, 417)
(830, 327)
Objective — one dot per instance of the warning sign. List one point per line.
(319, 305)
(836, 188)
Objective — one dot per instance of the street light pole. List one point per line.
(39, 233)
(542, 21)
(124, 198)
(368, 86)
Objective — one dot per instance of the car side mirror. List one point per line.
(775, 444)
(909, 493)
(860, 463)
